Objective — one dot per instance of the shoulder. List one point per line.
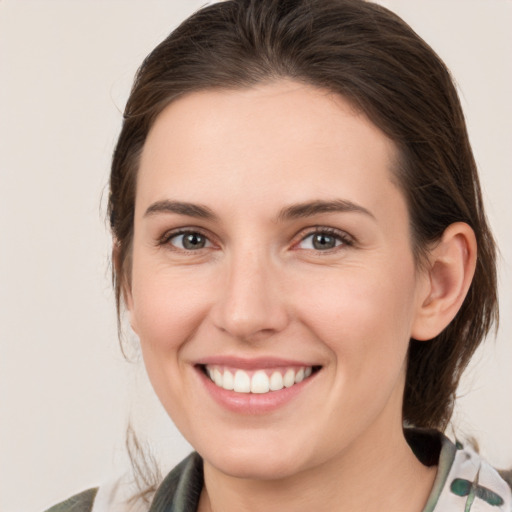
(179, 491)
(82, 502)
(465, 481)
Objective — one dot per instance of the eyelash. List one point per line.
(341, 236)
(168, 236)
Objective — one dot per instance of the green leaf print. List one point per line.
(472, 490)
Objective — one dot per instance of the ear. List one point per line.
(123, 277)
(449, 274)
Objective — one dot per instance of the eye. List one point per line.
(323, 240)
(189, 241)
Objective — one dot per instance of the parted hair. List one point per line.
(368, 55)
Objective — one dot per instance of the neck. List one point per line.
(374, 474)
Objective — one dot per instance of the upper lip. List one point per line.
(252, 363)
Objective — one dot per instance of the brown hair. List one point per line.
(368, 55)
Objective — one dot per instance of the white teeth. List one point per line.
(242, 382)
(228, 381)
(260, 382)
(217, 377)
(289, 378)
(276, 381)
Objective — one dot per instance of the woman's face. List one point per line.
(272, 251)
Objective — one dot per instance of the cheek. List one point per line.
(166, 308)
(167, 312)
(364, 316)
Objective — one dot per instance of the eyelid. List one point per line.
(346, 239)
(172, 233)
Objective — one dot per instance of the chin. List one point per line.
(256, 462)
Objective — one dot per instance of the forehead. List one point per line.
(283, 137)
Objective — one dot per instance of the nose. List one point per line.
(251, 304)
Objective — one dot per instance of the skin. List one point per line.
(260, 288)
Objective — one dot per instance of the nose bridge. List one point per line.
(250, 303)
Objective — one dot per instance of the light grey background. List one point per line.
(66, 393)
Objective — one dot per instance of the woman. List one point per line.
(301, 246)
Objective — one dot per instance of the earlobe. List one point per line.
(451, 268)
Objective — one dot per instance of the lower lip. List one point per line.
(253, 403)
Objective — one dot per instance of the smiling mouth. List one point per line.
(258, 381)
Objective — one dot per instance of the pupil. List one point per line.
(323, 242)
(193, 241)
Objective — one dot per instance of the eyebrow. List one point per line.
(294, 211)
(308, 209)
(181, 208)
